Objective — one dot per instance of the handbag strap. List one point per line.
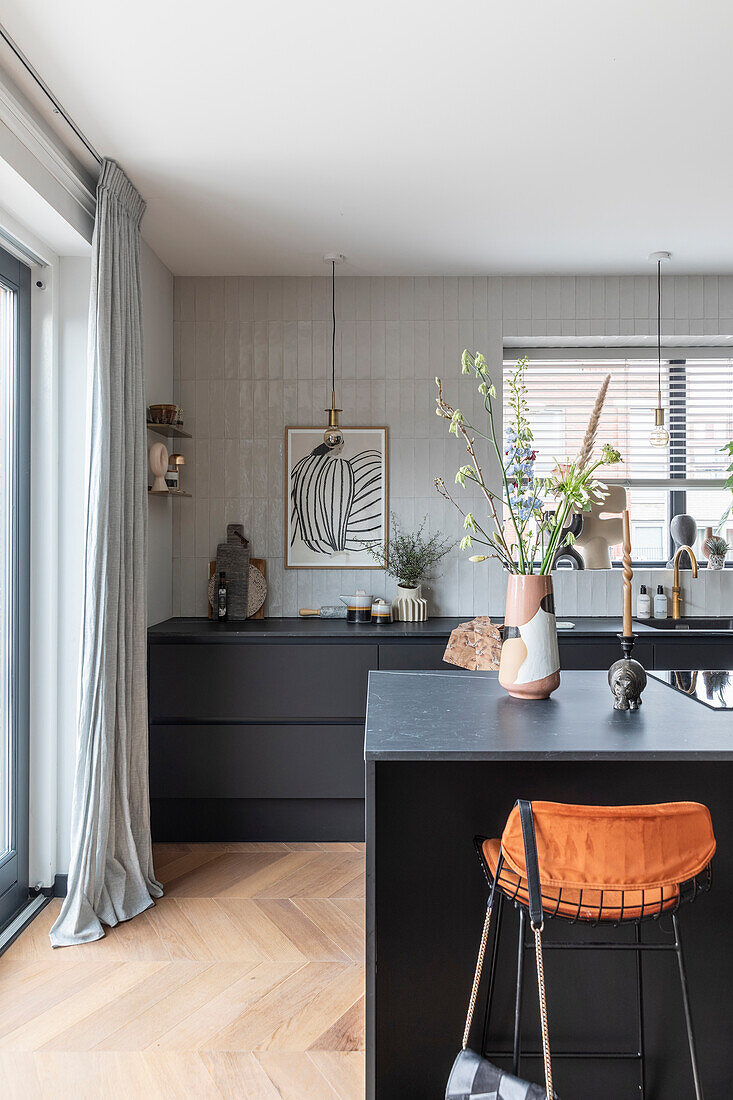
(536, 918)
(481, 954)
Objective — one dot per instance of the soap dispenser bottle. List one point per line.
(643, 604)
(661, 610)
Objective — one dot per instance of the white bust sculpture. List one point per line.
(602, 527)
(158, 459)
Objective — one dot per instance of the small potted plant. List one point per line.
(717, 548)
(409, 557)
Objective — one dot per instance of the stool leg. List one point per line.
(640, 1010)
(686, 1004)
(518, 1001)
(499, 907)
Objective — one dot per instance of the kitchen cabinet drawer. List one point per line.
(228, 761)
(259, 682)
(685, 651)
(588, 653)
(413, 657)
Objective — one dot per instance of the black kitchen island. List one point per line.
(446, 757)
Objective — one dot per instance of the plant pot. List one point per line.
(530, 658)
(408, 606)
(716, 561)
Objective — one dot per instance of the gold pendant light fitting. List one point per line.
(333, 436)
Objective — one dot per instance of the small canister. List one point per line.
(381, 612)
(358, 607)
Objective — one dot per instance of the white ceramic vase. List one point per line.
(408, 606)
(716, 561)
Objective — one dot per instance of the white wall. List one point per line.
(157, 284)
(253, 354)
(74, 277)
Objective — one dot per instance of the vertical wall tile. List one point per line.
(253, 354)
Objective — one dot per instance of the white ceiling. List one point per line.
(415, 136)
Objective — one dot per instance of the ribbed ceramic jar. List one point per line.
(530, 657)
(409, 605)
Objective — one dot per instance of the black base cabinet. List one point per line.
(257, 729)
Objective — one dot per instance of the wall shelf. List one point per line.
(168, 493)
(170, 431)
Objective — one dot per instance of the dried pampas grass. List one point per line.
(592, 430)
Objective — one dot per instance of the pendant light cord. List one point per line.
(659, 332)
(333, 327)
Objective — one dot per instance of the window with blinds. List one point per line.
(697, 394)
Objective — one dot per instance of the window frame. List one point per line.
(674, 353)
(14, 865)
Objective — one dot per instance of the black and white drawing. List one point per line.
(336, 497)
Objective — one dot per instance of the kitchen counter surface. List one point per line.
(206, 630)
(437, 716)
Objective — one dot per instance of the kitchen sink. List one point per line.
(712, 623)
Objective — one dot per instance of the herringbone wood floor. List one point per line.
(246, 980)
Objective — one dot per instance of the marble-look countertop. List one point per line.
(437, 716)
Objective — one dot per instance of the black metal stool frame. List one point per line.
(687, 891)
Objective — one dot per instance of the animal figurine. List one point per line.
(627, 680)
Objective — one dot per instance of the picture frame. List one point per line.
(336, 498)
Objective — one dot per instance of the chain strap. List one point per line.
(543, 1010)
(477, 977)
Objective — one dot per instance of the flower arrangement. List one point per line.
(538, 510)
(408, 556)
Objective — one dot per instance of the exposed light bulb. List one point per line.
(659, 437)
(333, 436)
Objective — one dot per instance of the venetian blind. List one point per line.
(697, 394)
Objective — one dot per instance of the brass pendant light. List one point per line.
(333, 436)
(659, 436)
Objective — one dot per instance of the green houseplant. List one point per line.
(410, 557)
(717, 548)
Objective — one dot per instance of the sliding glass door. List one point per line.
(14, 586)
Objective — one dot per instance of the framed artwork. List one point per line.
(335, 498)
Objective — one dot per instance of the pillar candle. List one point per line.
(628, 574)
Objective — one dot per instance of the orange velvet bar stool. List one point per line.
(607, 865)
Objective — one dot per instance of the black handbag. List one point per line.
(472, 1075)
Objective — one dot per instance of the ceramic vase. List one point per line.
(408, 606)
(530, 657)
(716, 561)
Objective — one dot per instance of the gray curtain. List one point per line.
(111, 875)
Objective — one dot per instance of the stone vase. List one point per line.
(530, 657)
(408, 606)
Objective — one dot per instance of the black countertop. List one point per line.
(207, 630)
(439, 716)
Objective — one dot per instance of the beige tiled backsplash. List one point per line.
(252, 355)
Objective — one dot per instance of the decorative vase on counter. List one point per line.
(716, 561)
(408, 606)
(530, 658)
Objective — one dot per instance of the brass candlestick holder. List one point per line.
(626, 677)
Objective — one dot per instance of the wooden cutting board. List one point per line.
(259, 563)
